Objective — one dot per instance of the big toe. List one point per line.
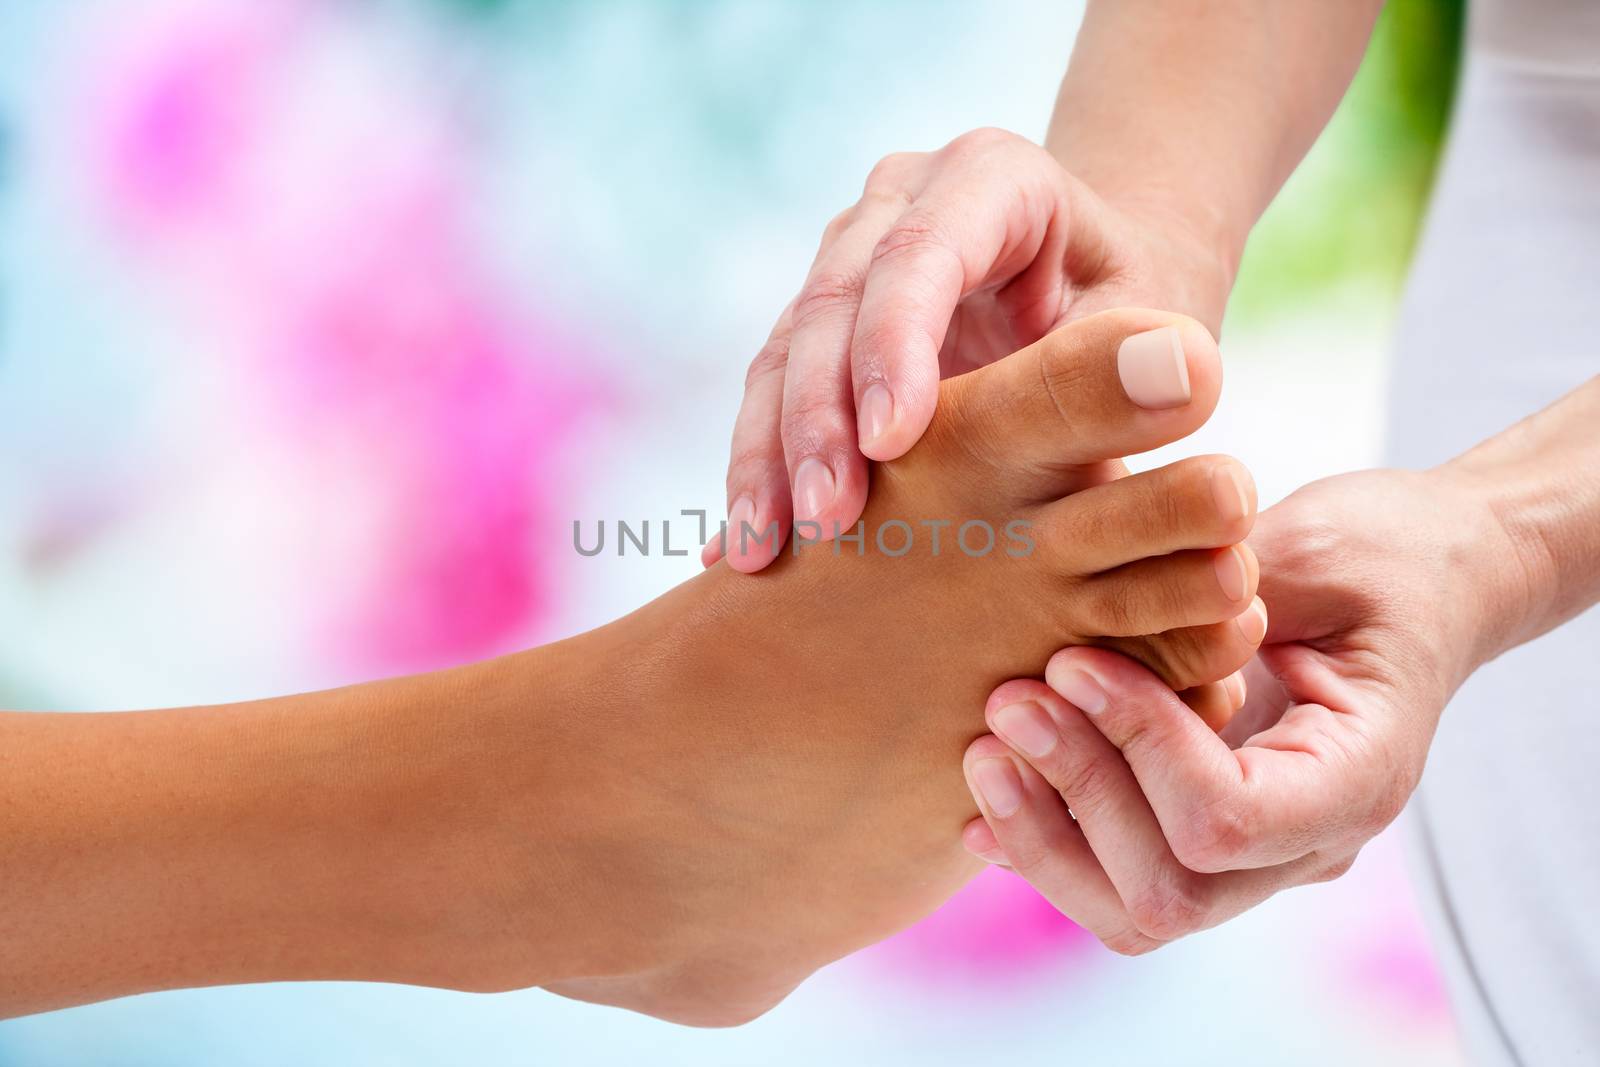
(1111, 385)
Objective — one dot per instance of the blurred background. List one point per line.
(322, 320)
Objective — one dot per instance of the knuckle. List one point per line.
(1129, 941)
(875, 343)
(813, 422)
(890, 172)
(914, 234)
(982, 140)
(828, 292)
(772, 359)
(1027, 855)
(1335, 870)
(1388, 777)
(1170, 909)
(1212, 839)
(1389, 802)
(837, 225)
(749, 462)
(1083, 783)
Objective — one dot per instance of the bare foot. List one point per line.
(689, 810)
(771, 777)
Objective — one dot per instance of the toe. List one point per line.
(1197, 655)
(1111, 385)
(1152, 596)
(1198, 503)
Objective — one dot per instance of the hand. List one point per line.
(949, 261)
(1387, 588)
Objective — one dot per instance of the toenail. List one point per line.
(877, 413)
(1231, 574)
(813, 489)
(999, 785)
(1025, 727)
(1152, 368)
(1079, 689)
(1253, 622)
(1227, 487)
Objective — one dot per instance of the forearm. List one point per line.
(335, 835)
(1541, 481)
(1201, 111)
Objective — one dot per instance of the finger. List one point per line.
(978, 839)
(1152, 596)
(1201, 502)
(1195, 655)
(1272, 802)
(1034, 830)
(827, 472)
(1165, 899)
(1112, 384)
(711, 551)
(758, 484)
(988, 213)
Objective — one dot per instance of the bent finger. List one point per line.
(1032, 827)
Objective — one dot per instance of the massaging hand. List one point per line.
(949, 261)
(1386, 589)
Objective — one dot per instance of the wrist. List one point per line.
(1193, 257)
(1506, 576)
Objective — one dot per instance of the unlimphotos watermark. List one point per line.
(894, 538)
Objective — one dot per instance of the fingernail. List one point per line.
(1253, 621)
(743, 512)
(1231, 575)
(997, 780)
(1152, 368)
(1080, 690)
(994, 856)
(1234, 684)
(877, 412)
(813, 489)
(1026, 727)
(1233, 500)
(712, 551)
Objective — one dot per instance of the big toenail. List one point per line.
(1152, 368)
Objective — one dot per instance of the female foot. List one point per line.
(781, 755)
